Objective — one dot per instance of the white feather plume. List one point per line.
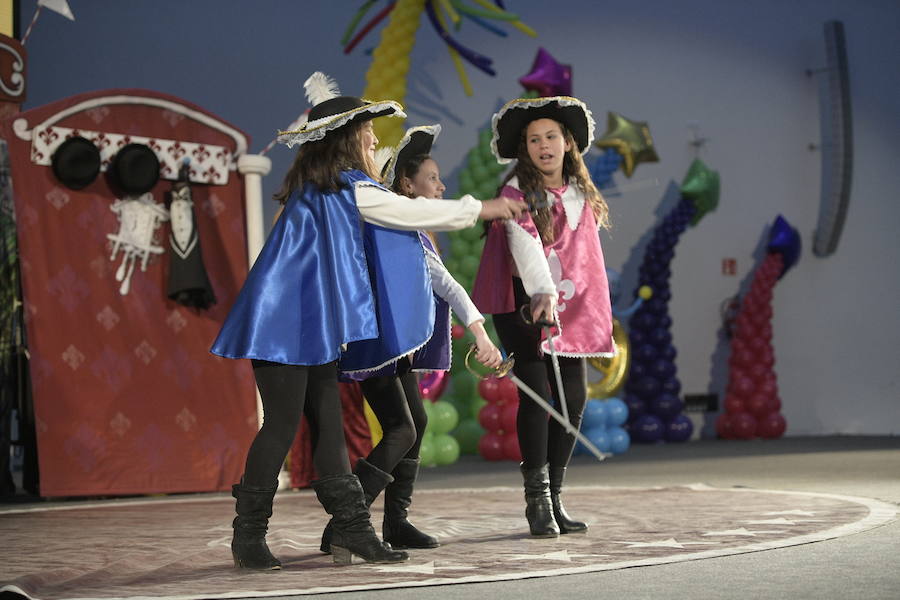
(320, 87)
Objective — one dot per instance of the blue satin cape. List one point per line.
(435, 355)
(404, 303)
(309, 291)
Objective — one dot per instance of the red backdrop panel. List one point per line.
(128, 399)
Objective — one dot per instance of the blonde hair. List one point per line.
(531, 183)
(321, 162)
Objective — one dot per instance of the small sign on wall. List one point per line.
(729, 266)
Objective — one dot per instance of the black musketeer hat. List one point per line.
(508, 122)
(415, 142)
(330, 111)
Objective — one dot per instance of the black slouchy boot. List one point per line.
(352, 531)
(538, 509)
(373, 480)
(565, 522)
(248, 546)
(398, 531)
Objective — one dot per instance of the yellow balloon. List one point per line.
(614, 369)
(374, 426)
(645, 292)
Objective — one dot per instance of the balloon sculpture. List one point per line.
(602, 423)
(625, 144)
(752, 405)
(498, 418)
(386, 77)
(652, 389)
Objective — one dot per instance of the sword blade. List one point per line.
(559, 418)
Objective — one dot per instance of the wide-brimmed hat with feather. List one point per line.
(415, 142)
(330, 111)
(508, 122)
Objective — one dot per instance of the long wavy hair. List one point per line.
(531, 182)
(322, 161)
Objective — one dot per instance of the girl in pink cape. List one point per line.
(550, 261)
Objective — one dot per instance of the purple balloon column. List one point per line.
(652, 389)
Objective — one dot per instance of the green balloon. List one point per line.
(467, 434)
(446, 449)
(468, 266)
(428, 405)
(426, 451)
(444, 416)
(464, 385)
(459, 247)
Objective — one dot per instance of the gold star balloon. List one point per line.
(701, 185)
(631, 139)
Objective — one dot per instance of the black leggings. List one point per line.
(395, 401)
(289, 391)
(541, 438)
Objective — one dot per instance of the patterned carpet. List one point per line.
(178, 548)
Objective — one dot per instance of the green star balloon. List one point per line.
(701, 185)
(631, 139)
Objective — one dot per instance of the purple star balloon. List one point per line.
(547, 77)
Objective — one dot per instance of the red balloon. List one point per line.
(489, 388)
(767, 385)
(431, 385)
(508, 391)
(733, 405)
(774, 403)
(744, 386)
(758, 344)
(490, 417)
(738, 345)
(743, 425)
(742, 357)
(758, 372)
(509, 411)
(723, 426)
(758, 405)
(767, 358)
(772, 426)
(490, 446)
(457, 331)
(511, 449)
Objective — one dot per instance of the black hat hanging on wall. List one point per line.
(135, 168)
(76, 163)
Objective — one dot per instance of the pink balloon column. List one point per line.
(498, 417)
(752, 405)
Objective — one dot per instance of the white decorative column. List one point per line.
(253, 167)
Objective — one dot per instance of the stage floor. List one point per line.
(707, 519)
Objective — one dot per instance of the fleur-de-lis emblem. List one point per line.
(565, 287)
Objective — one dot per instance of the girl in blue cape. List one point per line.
(310, 293)
(392, 389)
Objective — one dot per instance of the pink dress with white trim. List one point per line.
(576, 264)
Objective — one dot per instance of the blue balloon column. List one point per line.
(602, 425)
(602, 167)
(652, 390)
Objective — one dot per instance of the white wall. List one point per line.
(736, 69)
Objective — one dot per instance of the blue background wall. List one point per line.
(734, 70)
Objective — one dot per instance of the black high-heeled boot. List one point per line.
(538, 509)
(398, 531)
(566, 523)
(373, 480)
(352, 533)
(248, 546)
